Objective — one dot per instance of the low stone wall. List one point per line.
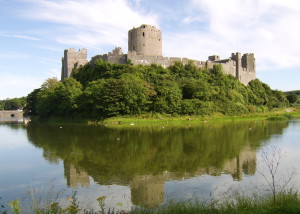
(229, 66)
(11, 115)
(160, 60)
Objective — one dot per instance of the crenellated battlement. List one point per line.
(145, 40)
(72, 60)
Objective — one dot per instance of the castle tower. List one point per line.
(147, 191)
(72, 60)
(238, 64)
(145, 40)
(248, 62)
(76, 176)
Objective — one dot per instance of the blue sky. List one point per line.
(34, 34)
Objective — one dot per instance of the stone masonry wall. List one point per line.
(72, 60)
(229, 66)
(246, 76)
(160, 60)
(11, 115)
(145, 40)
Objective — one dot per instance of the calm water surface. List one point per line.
(142, 167)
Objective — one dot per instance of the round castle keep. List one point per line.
(145, 40)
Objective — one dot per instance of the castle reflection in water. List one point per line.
(145, 159)
(148, 190)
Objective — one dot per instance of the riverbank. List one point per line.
(287, 203)
(236, 203)
(159, 119)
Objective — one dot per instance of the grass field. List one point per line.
(159, 119)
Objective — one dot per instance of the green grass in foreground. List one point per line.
(238, 203)
(164, 119)
(287, 204)
(157, 119)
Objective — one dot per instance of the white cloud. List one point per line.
(269, 28)
(25, 37)
(13, 55)
(11, 85)
(18, 36)
(90, 23)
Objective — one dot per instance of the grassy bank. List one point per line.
(159, 119)
(176, 120)
(286, 202)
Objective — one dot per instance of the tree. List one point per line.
(92, 99)
(31, 102)
(280, 100)
(292, 98)
(260, 97)
(67, 95)
(46, 103)
(2, 102)
(14, 104)
(137, 94)
(168, 98)
(103, 98)
(272, 157)
(196, 89)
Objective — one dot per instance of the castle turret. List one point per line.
(248, 62)
(72, 60)
(145, 40)
(238, 64)
(245, 67)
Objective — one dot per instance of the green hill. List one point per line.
(100, 90)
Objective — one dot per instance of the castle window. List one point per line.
(134, 48)
(143, 33)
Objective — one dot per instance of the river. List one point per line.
(139, 166)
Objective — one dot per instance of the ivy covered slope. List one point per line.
(100, 90)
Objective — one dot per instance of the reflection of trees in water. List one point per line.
(146, 157)
(13, 125)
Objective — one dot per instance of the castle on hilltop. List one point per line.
(145, 48)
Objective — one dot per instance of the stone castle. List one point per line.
(145, 48)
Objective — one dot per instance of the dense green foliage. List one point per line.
(100, 89)
(31, 100)
(293, 92)
(293, 96)
(12, 104)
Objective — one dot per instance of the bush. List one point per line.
(277, 118)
